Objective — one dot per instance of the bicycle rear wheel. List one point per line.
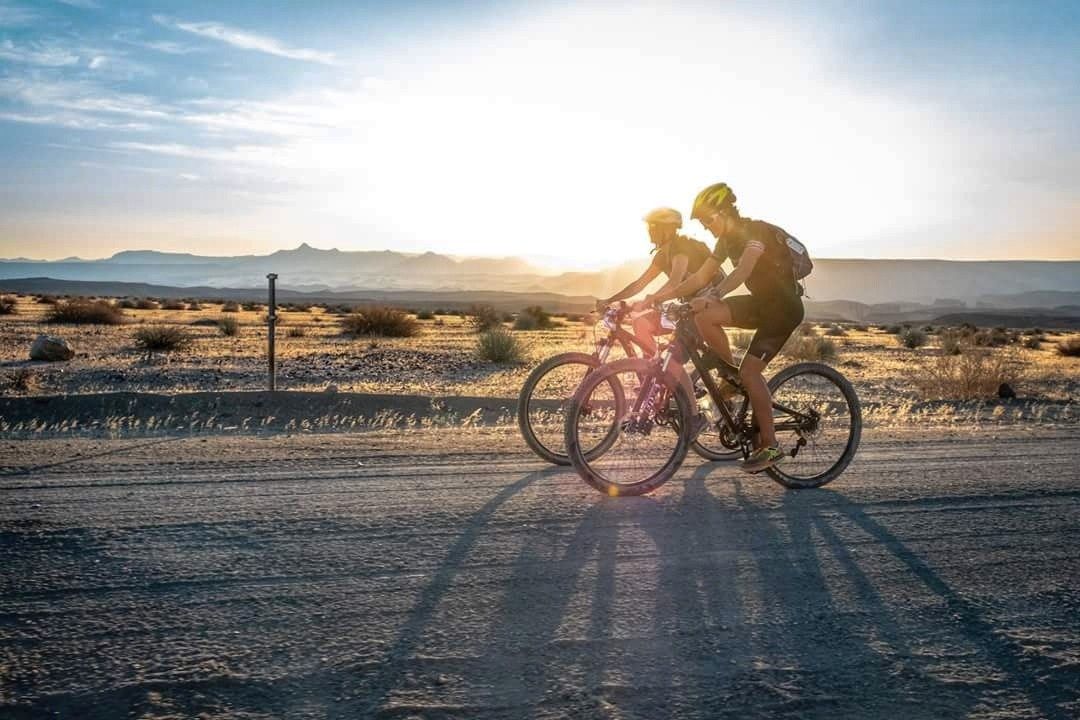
(544, 399)
(650, 443)
(818, 424)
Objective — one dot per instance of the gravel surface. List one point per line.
(447, 574)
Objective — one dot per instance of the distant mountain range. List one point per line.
(939, 283)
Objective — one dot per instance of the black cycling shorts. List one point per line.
(774, 318)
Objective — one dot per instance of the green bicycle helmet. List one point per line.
(718, 196)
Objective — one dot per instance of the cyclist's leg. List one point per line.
(776, 322)
(645, 327)
(711, 323)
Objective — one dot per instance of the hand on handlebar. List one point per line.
(698, 304)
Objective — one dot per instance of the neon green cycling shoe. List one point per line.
(761, 459)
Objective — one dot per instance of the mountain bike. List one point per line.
(547, 392)
(643, 416)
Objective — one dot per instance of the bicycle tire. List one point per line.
(793, 482)
(555, 455)
(645, 369)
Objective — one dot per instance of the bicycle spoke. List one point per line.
(815, 422)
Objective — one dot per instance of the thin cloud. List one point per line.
(84, 4)
(15, 15)
(247, 40)
(42, 54)
(74, 121)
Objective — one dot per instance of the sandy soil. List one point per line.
(445, 573)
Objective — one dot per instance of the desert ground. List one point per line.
(446, 573)
(371, 553)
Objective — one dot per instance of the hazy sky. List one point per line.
(897, 129)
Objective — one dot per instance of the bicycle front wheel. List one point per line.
(818, 424)
(648, 411)
(710, 443)
(543, 401)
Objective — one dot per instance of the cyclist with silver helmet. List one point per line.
(676, 256)
(773, 309)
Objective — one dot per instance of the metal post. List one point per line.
(271, 323)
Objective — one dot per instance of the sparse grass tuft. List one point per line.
(21, 380)
(836, 331)
(971, 376)
(1069, 348)
(810, 348)
(381, 321)
(499, 345)
(296, 331)
(7, 305)
(952, 342)
(912, 338)
(228, 325)
(161, 338)
(85, 312)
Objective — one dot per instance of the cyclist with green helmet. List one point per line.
(773, 308)
(676, 256)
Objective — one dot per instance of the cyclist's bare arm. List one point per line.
(742, 270)
(690, 285)
(678, 273)
(635, 287)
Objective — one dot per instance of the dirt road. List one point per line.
(355, 576)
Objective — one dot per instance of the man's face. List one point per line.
(715, 222)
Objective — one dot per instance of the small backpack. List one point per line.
(801, 265)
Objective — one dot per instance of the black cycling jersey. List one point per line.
(772, 274)
(696, 253)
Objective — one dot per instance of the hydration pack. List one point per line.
(801, 265)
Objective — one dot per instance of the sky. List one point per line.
(542, 130)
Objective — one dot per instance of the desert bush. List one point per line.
(499, 345)
(20, 380)
(1033, 342)
(161, 338)
(194, 306)
(46, 300)
(991, 338)
(533, 317)
(811, 348)
(230, 306)
(439, 322)
(952, 342)
(860, 327)
(252, 306)
(483, 317)
(425, 315)
(145, 304)
(1069, 348)
(173, 305)
(739, 338)
(127, 303)
(228, 325)
(7, 305)
(380, 320)
(973, 375)
(912, 338)
(297, 331)
(85, 312)
(893, 329)
(836, 331)
(807, 328)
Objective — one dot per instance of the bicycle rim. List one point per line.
(648, 445)
(545, 398)
(818, 424)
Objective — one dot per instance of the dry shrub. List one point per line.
(912, 338)
(836, 331)
(381, 321)
(1069, 348)
(533, 317)
(47, 300)
(194, 305)
(498, 345)
(975, 374)
(992, 338)
(810, 348)
(85, 312)
(161, 338)
(425, 315)
(231, 306)
(7, 305)
(228, 325)
(145, 304)
(296, 331)
(952, 341)
(21, 380)
(1033, 342)
(172, 305)
(483, 317)
(740, 338)
(252, 306)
